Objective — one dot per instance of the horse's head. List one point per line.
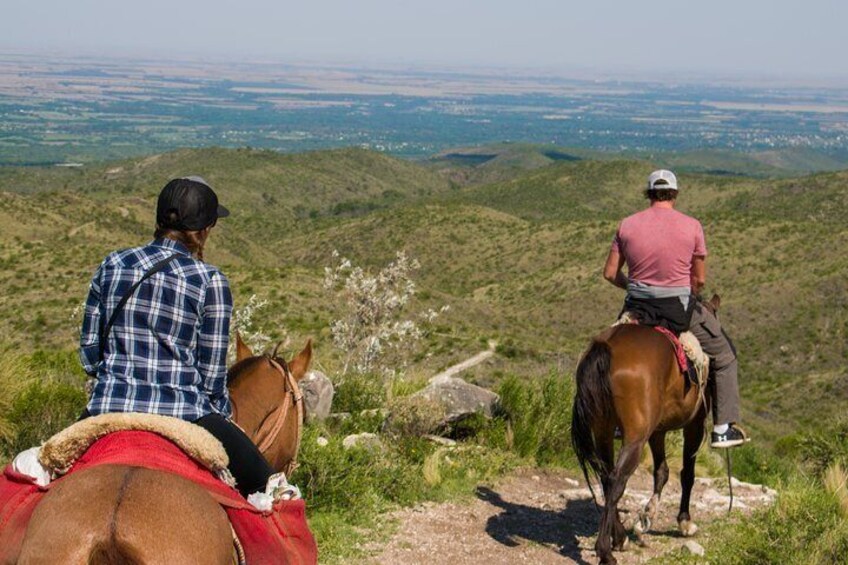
(267, 403)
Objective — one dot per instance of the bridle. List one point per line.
(270, 428)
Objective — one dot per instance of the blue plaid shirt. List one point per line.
(166, 353)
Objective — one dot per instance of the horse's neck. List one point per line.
(255, 396)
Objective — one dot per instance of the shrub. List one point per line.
(14, 375)
(806, 525)
(375, 333)
(40, 410)
(414, 416)
(820, 449)
(538, 413)
(359, 392)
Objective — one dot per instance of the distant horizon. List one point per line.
(566, 73)
(756, 40)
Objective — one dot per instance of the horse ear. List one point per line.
(716, 302)
(300, 364)
(242, 350)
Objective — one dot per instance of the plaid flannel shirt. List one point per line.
(166, 353)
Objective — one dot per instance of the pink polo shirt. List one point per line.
(658, 245)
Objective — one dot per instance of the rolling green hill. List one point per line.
(517, 257)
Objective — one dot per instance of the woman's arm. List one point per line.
(213, 341)
(612, 269)
(89, 352)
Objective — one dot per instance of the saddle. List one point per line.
(279, 536)
(693, 362)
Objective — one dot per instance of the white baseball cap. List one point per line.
(662, 179)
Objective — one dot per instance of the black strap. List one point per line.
(108, 327)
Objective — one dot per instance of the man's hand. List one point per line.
(612, 269)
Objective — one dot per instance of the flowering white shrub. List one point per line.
(243, 322)
(372, 333)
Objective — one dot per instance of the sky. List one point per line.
(762, 37)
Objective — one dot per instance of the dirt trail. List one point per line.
(467, 364)
(548, 517)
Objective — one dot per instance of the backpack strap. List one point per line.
(108, 327)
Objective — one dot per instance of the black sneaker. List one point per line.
(731, 438)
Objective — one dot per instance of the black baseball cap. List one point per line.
(188, 204)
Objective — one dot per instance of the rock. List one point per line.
(322, 441)
(694, 548)
(367, 441)
(571, 482)
(459, 399)
(318, 393)
(536, 478)
(441, 440)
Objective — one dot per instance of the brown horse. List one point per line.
(629, 378)
(114, 514)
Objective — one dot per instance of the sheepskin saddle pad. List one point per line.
(63, 449)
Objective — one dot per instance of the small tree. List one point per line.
(373, 333)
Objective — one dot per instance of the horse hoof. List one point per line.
(645, 523)
(623, 545)
(688, 528)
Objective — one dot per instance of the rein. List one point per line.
(269, 433)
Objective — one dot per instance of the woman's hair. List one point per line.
(661, 194)
(193, 240)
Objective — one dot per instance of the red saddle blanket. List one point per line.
(678, 348)
(282, 537)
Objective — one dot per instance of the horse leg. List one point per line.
(649, 513)
(693, 436)
(628, 460)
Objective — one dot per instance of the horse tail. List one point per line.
(592, 403)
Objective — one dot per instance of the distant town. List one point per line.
(58, 110)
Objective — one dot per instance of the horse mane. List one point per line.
(250, 363)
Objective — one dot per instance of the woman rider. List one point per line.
(166, 351)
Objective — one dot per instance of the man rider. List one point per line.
(665, 253)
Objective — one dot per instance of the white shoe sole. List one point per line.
(728, 443)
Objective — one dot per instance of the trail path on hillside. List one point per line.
(548, 517)
(467, 364)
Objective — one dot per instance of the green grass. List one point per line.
(515, 247)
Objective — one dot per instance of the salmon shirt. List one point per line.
(658, 245)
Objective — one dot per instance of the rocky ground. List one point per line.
(546, 517)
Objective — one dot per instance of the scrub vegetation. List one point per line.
(516, 252)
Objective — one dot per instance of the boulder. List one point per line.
(459, 399)
(694, 548)
(318, 393)
(368, 441)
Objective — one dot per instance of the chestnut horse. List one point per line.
(114, 514)
(630, 378)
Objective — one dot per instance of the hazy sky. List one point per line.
(769, 36)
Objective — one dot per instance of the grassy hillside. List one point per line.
(518, 260)
(515, 249)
